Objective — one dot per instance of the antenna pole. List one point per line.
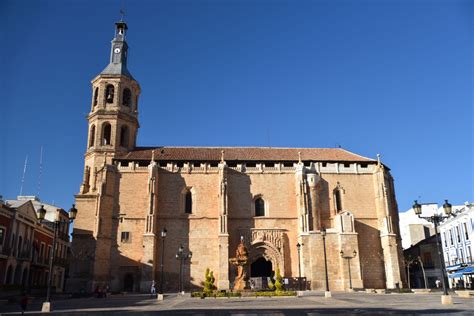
(23, 177)
(40, 171)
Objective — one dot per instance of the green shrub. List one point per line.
(278, 281)
(209, 282)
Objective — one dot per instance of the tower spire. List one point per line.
(118, 51)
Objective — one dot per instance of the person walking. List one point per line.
(23, 302)
(438, 283)
(153, 288)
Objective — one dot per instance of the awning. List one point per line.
(468, 270)
(453, 268)
(455, 275)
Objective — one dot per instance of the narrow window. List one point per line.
(466, 233)
(20, 246)
(2, 235)
(445, 240)
(92, 136)
(451, 236)
(109, 93)
(126, 97)
(259, 207)
(337, 197)
(106, 131)
(41, 252)
(96, 96)
(125, 237)
(458, 234)
(124, 136)
(188, 202)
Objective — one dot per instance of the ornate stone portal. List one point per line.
(241, 262)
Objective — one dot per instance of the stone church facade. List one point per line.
(208, 198)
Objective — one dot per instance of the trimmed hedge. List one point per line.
(276, 293)
(238, 294)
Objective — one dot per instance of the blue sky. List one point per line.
(388, 77)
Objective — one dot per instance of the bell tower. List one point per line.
(113, 119)
(112, 129)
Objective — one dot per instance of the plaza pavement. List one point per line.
(313, 303)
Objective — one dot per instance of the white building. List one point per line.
(414, 229)
(457, 235)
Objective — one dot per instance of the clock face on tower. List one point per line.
(117, 50)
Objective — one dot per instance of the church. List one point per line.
(166, 214)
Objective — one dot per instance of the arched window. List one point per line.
(124, 136)
(96, 96)
(126, 97)
(338, 199)
(106, 132)
(338, 194)
(259, 207)
(92, 136)
(188, 202)
(109, 93)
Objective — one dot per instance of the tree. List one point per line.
(409, 261)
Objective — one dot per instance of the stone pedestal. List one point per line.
(46, 308)
(327, 294)
(446, 300)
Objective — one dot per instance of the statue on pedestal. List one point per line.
(241, 262)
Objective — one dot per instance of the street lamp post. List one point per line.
(323, 234)
(348, 258)
(163, 236)
(436, 219)
(298, 246)
(182, 256)
(56, 224)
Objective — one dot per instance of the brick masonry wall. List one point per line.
(199, 232)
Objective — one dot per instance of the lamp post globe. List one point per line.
(448, 208)
(417, 208)
(73, 212)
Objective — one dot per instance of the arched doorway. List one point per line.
(261, 268)
(128, 282)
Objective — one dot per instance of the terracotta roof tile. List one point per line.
(241, 154)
